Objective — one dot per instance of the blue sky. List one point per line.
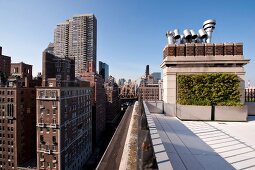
(131, 33)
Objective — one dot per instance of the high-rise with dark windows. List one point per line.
(104, 70)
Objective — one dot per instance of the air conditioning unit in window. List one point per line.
(47, 151)
(40, 124)
(53, 125)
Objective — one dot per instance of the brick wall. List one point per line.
(203, 49)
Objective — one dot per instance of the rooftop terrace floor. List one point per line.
(185, 149)
(234, 141)
(207, 145)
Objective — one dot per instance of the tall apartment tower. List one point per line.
(61, 39)
(17, 118)
(76, 38)
(64, 117)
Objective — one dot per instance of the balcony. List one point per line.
(40, 124)
(54, 107)
(41, 159)
(42, 107)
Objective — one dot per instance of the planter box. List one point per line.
(231, 113)
(191, 112)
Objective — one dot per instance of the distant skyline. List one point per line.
(130, 34)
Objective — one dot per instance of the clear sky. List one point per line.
(131, 33)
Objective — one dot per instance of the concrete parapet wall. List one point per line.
(155, 106)
(203, 49)
(162, 158)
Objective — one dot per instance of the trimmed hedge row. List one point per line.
(220, 89)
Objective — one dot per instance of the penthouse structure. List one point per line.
(17, 115)
(195, 54)
(63, 117)
(76, 38)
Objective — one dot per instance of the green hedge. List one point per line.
(209, 89)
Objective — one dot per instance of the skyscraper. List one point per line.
(104, 70)
(76, 38)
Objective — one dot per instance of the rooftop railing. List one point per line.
(249, 95)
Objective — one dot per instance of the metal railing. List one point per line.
(249, 95)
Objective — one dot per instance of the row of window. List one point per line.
(54, 165)
(9, 121)
(8, 142)
(2, 149)
(54, 140)
(44, 146)
(2, 156)
(48, 129)
(2, 135)
(9, 92)
(2, 99)
(9, 163)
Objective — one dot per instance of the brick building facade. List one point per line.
(98, 101)
(64, 117)
(17, 118)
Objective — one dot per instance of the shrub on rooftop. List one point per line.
(220, 89)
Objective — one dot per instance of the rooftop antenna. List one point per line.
(209, 26)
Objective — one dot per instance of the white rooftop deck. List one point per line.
(202, 144)
(185, 149)
(234, 141)
(177, 147)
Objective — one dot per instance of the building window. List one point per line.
(41, 139)
(54, 139)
